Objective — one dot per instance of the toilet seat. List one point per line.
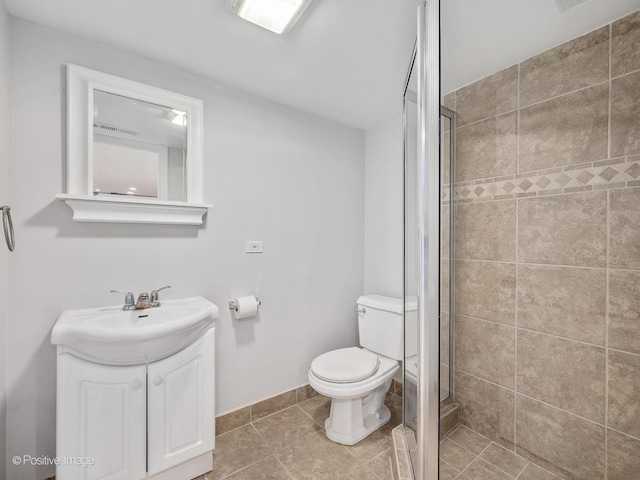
(345, 365)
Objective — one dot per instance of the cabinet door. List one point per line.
(181, 405)
(100, 416)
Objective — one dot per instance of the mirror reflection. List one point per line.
(139, 148)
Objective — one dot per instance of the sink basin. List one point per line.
(112, 336)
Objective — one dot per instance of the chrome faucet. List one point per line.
(154, 301)
(144, 299)
(129, 303)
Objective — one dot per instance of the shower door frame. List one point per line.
(428, 399)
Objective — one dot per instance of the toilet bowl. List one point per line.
(358, 378)
(357, 398)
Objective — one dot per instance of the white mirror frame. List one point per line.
(81, 83)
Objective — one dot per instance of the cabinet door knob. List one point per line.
(157, 380)
(136, 384)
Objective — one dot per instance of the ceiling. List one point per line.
(346, 60)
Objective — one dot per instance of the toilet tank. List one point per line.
(380, 324)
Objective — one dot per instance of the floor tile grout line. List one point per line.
(476, 458)
(510, 451)
(247, 466)
(523, 468)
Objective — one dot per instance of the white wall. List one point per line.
(288, 178)
(4, 185)
(383, 209)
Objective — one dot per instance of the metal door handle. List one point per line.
(8, 228)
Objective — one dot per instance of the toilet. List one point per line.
(358, 378)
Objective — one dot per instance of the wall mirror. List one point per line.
(134, 152)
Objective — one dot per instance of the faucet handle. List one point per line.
(155, 298)
(129, 300)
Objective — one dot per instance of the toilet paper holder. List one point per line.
(233, 306)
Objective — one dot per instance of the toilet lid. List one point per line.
(345, 365)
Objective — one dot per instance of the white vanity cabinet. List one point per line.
(134, 422)
(180, 406)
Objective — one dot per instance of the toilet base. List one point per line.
(353, 419)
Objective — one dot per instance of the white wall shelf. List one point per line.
(133, 210)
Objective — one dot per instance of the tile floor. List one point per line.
(291, 444)
(467, 455)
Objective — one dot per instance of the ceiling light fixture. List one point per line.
(279, 16)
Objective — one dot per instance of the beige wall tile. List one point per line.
(625, 115)
(578, 63)
(488, 97)
(623, 457)
(445, 231)
(233, 420)
(624, 392)
(565, 130)
(624, 225)
(304, 392)
(563, 229)
(486, 350)
(445, 335)
(562, 443)
(625, 45)
(487, 148)
(486, 408)
(624, 310)
(449, 100)
(565, 301)
(486, 290)
(567, 374)
(444, 285)
(486, 231)
(448, 421)
(445, 154)
(273, 405)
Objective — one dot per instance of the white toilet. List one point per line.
(357, 378)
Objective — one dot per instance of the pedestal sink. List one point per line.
(111, 336)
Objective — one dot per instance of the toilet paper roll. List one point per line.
(245, 307)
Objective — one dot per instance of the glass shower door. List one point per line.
(423, 259)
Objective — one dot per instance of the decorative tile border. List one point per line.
(608, 174)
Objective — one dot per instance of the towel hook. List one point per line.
(8, 228)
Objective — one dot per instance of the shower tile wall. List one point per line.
(547, 272)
